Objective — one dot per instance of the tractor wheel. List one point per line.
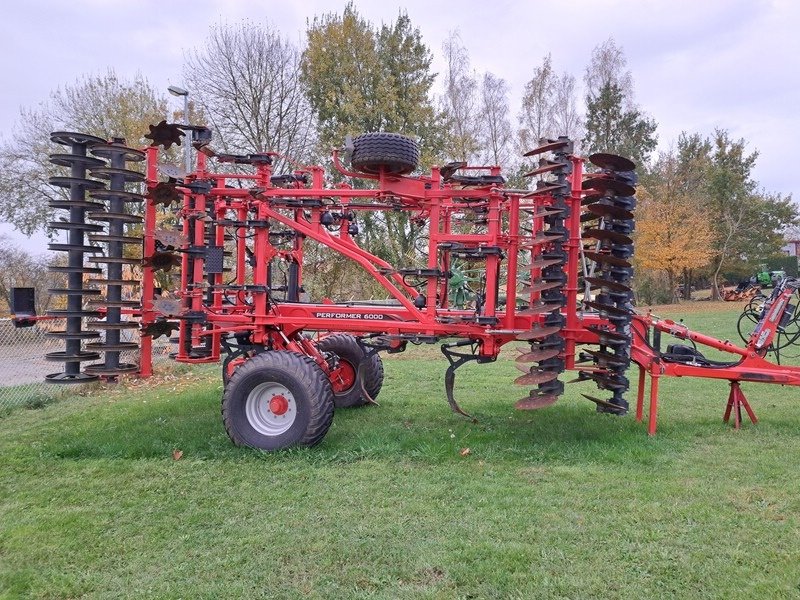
(347, 392)
(276, 400)
(392, 153)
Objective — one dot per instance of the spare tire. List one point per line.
(391, 153)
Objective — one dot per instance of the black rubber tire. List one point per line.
(346, 348)
(392, 153)
(309, 386)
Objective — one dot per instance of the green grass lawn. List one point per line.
(560, 503)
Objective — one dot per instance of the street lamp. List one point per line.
(187, 152)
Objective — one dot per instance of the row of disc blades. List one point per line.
(96, 214)
(609, 223)
(543, 361)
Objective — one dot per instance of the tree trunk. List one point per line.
(671, 284)
(687, 284)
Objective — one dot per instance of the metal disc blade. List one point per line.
(600, 402)
(599, 282)
(538, 308)
(545, 212)
(607, 234)
(550, 147)
(608, 259)
(537, 355)
(609, 335)
(546, 189)
(607, 184)
(536, 377)
(541, 286)
(607, 210)
(612, 162)
(590, 199)
(606, 358)
(586, 217)
(608, 308)
(538, 333)
(545, 167)
(608, 380)
(536, 402)
(546, 262)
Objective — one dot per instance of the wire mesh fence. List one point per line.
(23, 365)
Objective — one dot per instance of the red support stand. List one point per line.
(640, 395)
(736, 401)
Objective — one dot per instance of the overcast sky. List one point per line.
(697, 65)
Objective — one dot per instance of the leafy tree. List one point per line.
(102, 105)
(748, 221)
(361, 79)
(246, 79)
(672, 235)
(612, 128)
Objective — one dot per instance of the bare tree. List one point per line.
(101, 105)
(537, 117)
(496, 135)
(460, 104)
(608, 66)
(247, 82)
(566, 118)
(20, 269)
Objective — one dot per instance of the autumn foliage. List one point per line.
(673, 231)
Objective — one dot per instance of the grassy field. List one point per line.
(561, 503)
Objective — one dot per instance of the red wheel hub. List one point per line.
(343, 377)
(278, 405)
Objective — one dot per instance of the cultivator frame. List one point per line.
(539, 250)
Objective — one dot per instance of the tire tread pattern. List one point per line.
(309, 375)
(396, 153)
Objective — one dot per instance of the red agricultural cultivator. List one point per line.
(554, 263)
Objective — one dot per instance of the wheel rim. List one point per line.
(343, 378)
(270, 408)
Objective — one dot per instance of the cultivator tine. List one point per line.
(362, 366)
(449, 384)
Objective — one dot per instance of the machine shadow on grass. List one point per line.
(400, 428)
